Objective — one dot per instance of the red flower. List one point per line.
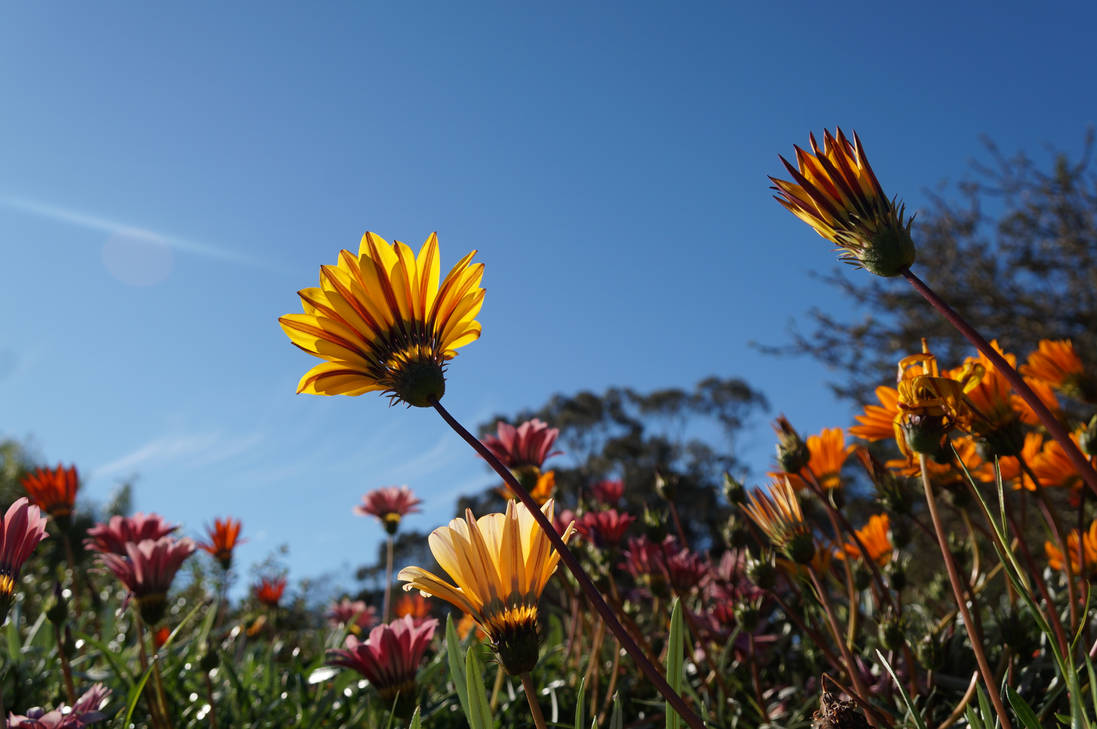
(527, 445)
(390, 657)
(356, 614)
(609, 492)
(160, 637)
(23, 528)
(607, 528)
(269, 591)
(53, 491)
(112, 537)
(147, 571)
(223, 537)
(389, 504)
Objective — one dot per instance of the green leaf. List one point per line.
(479, 715)
(1023, 710)
(579, 703)
(903, 693)
(675, 650)
(415, 720)
(457, 667)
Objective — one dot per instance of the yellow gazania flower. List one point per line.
(779, 516)
(874, 536)
(836, 193)
(382, 322)
(499, 564)
(878, 422)
(931, 405)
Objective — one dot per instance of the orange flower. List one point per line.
(223, 537)
(1056, 363)
(874, 536)
(1046, 394)
(1075, 547)
(413, 604)
(541, 492)
(54, 492)
(1052, 467)
(828, 453)
(991, 397)
(878, 422)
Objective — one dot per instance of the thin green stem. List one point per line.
(961, 601)
(1054, 427)
(572, 563)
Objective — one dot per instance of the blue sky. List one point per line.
(171, 175)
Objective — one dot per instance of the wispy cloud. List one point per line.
(134, 233)
(199, 449)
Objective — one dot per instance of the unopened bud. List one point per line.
(762, 572)
(734, 491)
(792, 451)
(1088, 439)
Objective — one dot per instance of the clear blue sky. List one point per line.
(171, 174)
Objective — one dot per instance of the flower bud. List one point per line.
(891, 633)
(762, 572)
(58, 611)
(734, 491)
(666, 486)
(1088, 439)
(792, 451)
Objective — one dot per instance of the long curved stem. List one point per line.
(1054, 428)
(568, 558)
(961, 601)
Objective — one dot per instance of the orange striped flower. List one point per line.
(778, 514)
(53, 491)
(836, 192)
(382, 322)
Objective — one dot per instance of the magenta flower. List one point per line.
(23, 528)
(609, 492)
(85, 711)
(112, 537)
(526, 446)
(389, 504)
(147, 571)
(389, 658)
(605, 528)
(686, 570)
(356, 614)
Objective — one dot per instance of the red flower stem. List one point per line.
(568, 558)
(989, 681)
(1054, 427)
